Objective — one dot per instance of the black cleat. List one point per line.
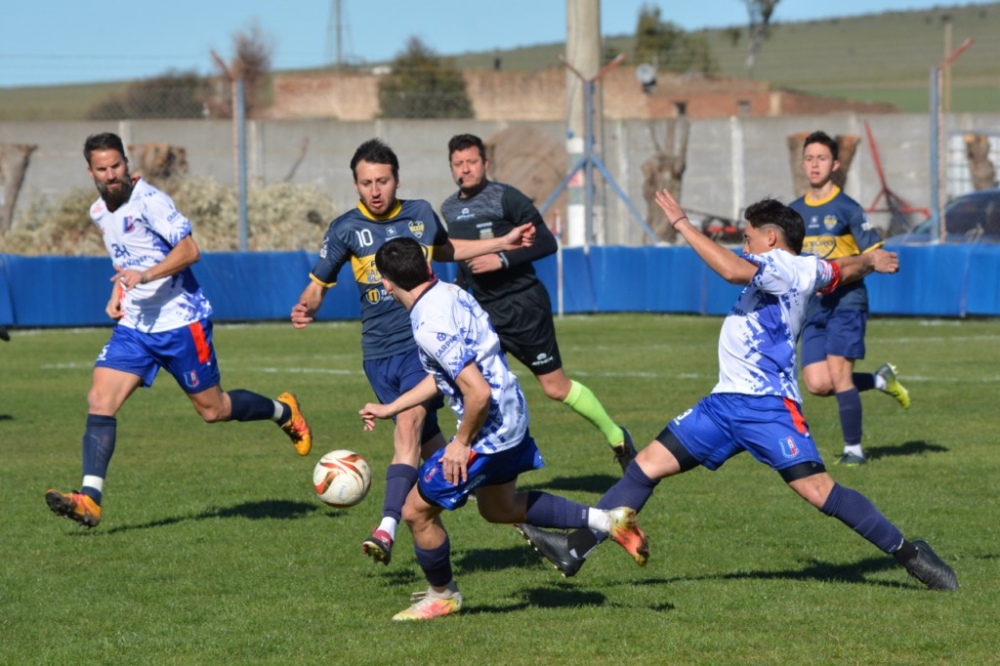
(554, 547)
(930, 569)
(625, 452)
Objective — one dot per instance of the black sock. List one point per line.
(905, 553)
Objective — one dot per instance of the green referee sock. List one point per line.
(583, 401)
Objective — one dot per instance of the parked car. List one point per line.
(970, 218)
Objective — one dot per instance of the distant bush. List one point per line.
(281, 217)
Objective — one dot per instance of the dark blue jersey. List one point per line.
(837, 227)
(356, 236)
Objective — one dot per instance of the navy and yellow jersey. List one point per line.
(492, 212)
(356, 236)
(837, 227)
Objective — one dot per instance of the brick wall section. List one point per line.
(541, 96)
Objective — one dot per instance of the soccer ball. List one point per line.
(342, 478)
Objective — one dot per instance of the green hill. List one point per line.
(883, 57)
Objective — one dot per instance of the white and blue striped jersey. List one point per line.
(452, 330)
(757, 343)
(138, 236)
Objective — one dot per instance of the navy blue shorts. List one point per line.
(392, 376)
(834, 332)
(493, 469)
(771, 428)
(186, 353)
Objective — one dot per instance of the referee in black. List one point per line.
(507, 287)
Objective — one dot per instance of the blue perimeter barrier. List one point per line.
(934, 281)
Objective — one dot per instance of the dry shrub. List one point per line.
(281, 217)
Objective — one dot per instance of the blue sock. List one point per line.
(250, 406)
(98, 447)
(545, 510)
(849, 403)
(863, 381)
(857, 512)
(632, 490)
(399, 480)
(436, 563)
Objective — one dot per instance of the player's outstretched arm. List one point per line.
(417, 395)
(873, 261)
(729, 266)
(459, 250)
(181, 256)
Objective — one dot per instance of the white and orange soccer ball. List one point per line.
(342, 478)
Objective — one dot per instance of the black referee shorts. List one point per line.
(524, 323)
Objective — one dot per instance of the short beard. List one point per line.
(115, 200)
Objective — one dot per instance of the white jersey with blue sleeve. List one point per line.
(138, 236)
(452, 330)
(757, 344)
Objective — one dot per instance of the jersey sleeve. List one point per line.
(865, 235)
(518, 209)
(333, 254)
(164, 219)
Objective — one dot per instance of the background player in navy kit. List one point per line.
(506, 286)
(833, 337)
(163, 322)
(756, 404)
(390, 355)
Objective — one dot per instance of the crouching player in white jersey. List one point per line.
(461, 353)
(163, 322)
(755, 406)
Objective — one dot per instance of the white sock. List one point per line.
(880, 382)
(598, 519)
(854, 450)
(388, 525)
(279, 411)
(95, 482)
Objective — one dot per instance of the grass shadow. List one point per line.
(261, 510)
(911, 448)
(593, 483)
(817, 570)
(494, 559)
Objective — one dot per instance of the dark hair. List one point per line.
(402, 260)
(823, 138)
(464, 141)
(105, 141)
(376, 152)
(788, 221)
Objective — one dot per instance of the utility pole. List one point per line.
(583, 57)
(334, 32)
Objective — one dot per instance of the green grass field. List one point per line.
(213, 548)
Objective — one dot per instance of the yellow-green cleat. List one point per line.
(892, 386)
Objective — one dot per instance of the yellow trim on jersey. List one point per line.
(874, 247)
(321, 283)
(807, 200)
(388, 215)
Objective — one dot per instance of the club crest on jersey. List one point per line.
(830, 221)
(128, 224)
(191, 379)
(416, 228)
(789, 448)
(373, 296)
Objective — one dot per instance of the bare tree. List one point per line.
(759, 28)
(252, 63)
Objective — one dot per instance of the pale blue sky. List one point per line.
(46, 42)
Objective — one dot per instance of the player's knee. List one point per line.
(818, 387)
(213, 414)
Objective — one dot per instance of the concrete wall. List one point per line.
(731, 162)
